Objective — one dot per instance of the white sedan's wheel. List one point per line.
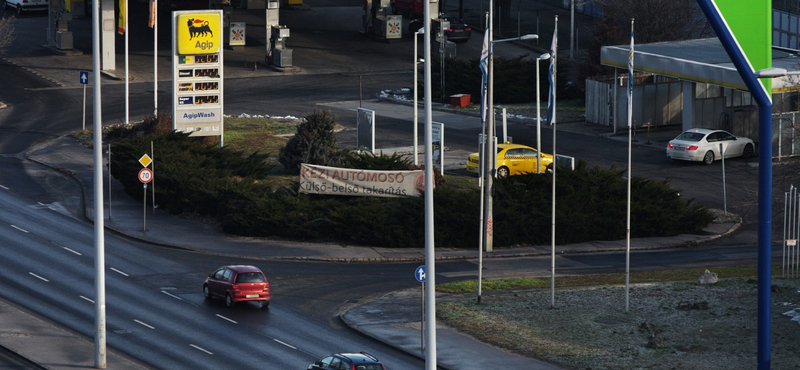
(709, 157)
(748, 151)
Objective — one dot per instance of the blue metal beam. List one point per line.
(764, 102)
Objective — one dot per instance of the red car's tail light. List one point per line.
(691, 147)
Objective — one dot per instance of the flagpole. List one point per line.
(481, 149)
(488, 151)
(127, 71)
(630, 131)
(552, 116)
(155, 59)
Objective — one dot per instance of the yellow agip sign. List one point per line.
(198, 33)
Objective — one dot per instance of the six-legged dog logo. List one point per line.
(198, 28)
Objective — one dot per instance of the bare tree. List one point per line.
(6, 33)
(656, 21)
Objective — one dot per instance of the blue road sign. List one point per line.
(84, 77)
(420, 274)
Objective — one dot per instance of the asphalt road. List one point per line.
(312, 293)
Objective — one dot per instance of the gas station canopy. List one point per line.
(699, 60)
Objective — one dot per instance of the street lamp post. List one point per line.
(542, 57)
(421, 31)
(490, 153)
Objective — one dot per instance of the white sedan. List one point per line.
(699, 144)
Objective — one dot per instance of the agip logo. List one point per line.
(198, 33)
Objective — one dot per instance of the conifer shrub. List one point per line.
(313, 143)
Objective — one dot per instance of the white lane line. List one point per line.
(20, 229)
(1, 186)
(196, 347)
(38, 277)
(88, 299)
(143, 324)
(171, 295)
(72, 250)
(286, 344)
(119, 272)
(225, 318)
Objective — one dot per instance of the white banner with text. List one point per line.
(356, 182)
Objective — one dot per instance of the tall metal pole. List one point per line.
(99, 242)
(127, 69)
(430, 256)
(763, 98)
(416, 107)
(538, 121)
(572, 29)
(630, 140)
(155, 60)
(481, 149)
(553, 200)
(488, 147)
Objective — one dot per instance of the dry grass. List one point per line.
(588, 328)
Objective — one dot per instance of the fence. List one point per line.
(785, 138)
(791, 232)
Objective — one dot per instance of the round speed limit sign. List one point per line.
(145, 175)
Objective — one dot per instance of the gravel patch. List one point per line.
(679, 325)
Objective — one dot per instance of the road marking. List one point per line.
(88, 299)
(196, 347)
(119, 272)
(1, 186)
(143, 324)
(173, 296)
(225, 318)
(38, 277)
(285, 344)
(73, 251)
(19, 228)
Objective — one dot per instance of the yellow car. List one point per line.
(513, 159)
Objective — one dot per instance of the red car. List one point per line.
(237, 283)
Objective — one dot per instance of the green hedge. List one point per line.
(231, 187)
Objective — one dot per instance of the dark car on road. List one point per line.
(458, 31)
(348, 361)
(237, 283)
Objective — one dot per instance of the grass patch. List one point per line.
(526, 283)
(459, 182)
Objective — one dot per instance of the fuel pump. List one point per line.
(378, 20)
(61, 19)
(281, 55)
(272, 20)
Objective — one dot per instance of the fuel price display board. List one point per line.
(197, 80)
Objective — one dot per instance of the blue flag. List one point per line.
(484, 66)
(630, 80)
(551, 77)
